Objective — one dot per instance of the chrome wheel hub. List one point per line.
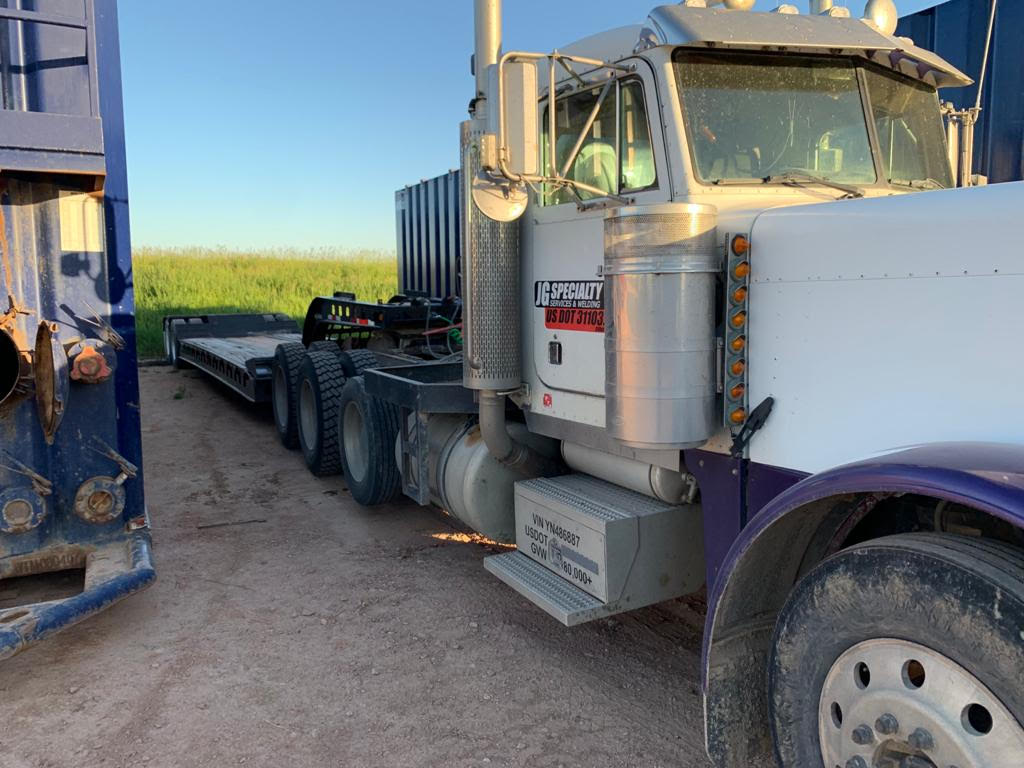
(352, 438)
(896, 704)
(280, 392)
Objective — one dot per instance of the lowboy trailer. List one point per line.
(736, 313)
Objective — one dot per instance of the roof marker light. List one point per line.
(882, 15)
(733, 5)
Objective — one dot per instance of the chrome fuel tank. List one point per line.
(660, 267)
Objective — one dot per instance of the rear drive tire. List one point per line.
(319, 389)
(368, 428)
(355, 361)
(905, 650)
(325, 346)
(285, 369)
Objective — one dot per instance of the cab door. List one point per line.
(623, 155)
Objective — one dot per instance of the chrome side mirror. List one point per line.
(519, 114)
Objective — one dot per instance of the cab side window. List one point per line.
(616, 155)
(637, 166)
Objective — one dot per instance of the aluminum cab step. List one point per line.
(588, 548)
(569, 604)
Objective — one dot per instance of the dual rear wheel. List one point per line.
(367, 431)
(321, 407)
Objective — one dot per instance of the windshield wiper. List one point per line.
(797, 178)
(928, 183)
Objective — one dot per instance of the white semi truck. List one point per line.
(731, 317)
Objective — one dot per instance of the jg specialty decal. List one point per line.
(571, 305)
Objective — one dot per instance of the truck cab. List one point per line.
(700, 114)
(733, 319)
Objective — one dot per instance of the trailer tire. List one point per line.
(319, 390)
(863, 634)
(355, 361)
(368, 428)
(285, 378)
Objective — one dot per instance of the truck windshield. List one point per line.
(750, 117)
(774, 118)
(908, 123)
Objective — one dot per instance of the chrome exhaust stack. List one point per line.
(492, 356)
(487, 21)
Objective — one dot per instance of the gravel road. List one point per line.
(331, 635)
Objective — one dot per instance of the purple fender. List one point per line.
(765, 560)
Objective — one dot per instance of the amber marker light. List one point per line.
(737, 392)
(742, 270)
(739, 320)
(738, 344)
(740, 245)
(738, 416)
(737, 368)
(739, 295)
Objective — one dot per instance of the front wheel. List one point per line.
(903, 652)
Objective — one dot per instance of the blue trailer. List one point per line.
(71, 486)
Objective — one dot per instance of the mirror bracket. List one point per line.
(496, 154)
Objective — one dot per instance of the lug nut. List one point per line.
(856, 762)
(887, 725)
(921, 739)
(863, 734)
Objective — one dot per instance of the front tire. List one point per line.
(908, 646)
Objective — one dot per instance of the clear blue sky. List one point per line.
(253, 123)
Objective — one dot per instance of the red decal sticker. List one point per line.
(590, 320)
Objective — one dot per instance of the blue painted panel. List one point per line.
(956, 31)
(66, 269)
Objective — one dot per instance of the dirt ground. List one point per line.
(331, 635)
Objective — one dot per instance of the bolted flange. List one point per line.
(100, 500)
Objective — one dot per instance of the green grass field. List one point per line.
(205, 281)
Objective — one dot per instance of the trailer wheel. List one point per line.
(287, 362)
(368, 429)
(355, 361)
(319, 389)
(903, 651)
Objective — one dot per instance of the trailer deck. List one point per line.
(237, 350)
